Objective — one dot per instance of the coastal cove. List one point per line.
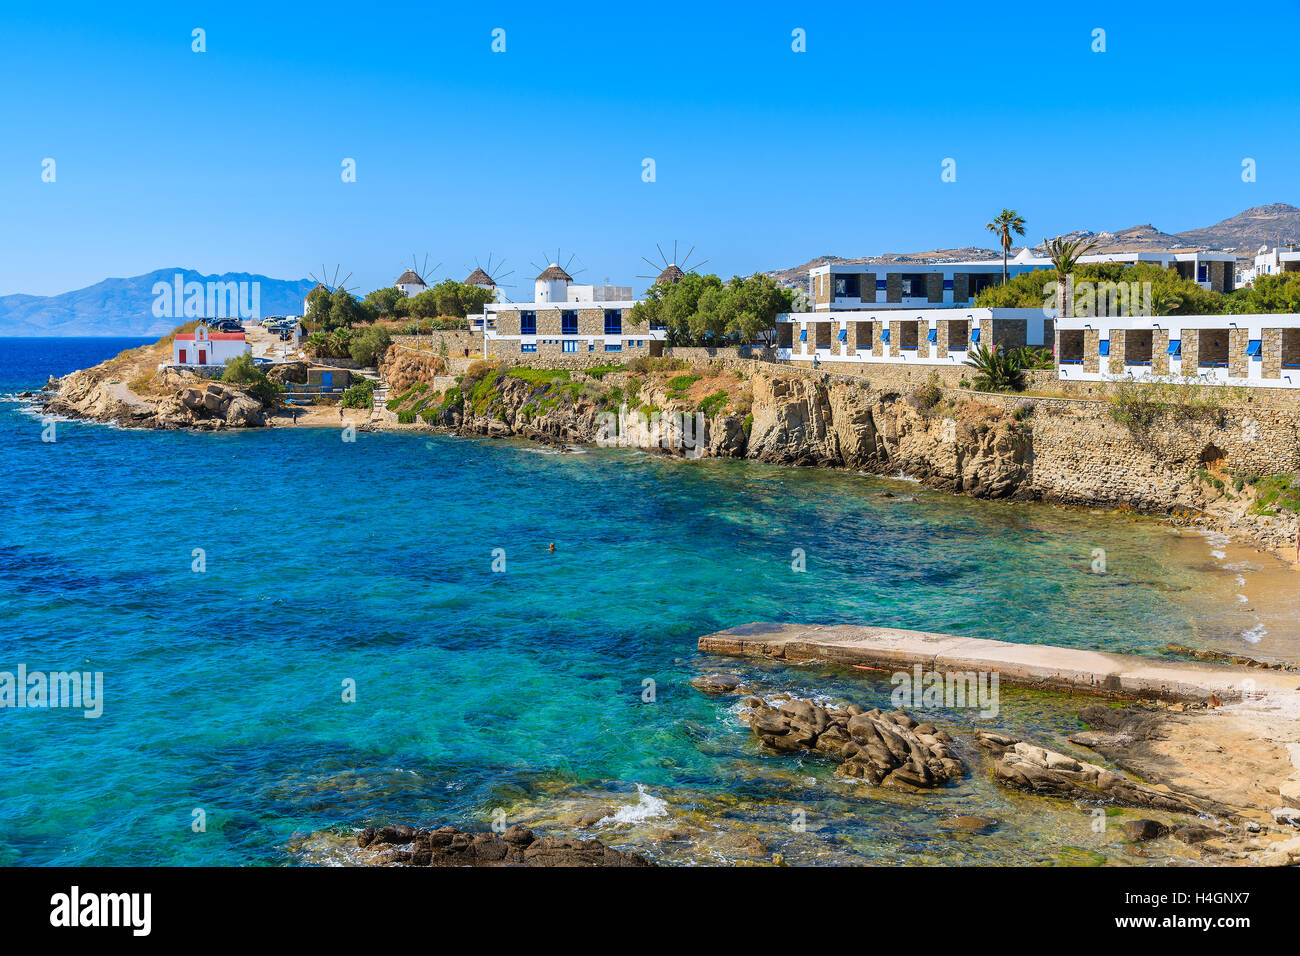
(327, 561)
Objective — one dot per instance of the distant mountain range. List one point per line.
(1242, 234)
(126, 306)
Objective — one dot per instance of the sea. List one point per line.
(299, 635)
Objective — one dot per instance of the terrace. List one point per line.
(1071, 347)
(908, 336)
(1137, 347)
(1212, 348)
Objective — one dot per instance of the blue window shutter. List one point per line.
(1175, 347)
(1253, 348)
(974, 335)
(803, 335)
(884, 335)
(948, 285)
(844, 335)
(881, 284)
(1103, 347)
(932, 335)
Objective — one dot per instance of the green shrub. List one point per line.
(406, 417)
(600, 371)
(1277, 492)
(538, 376)
(450, 398)
(242, 370)
(360, 395)
(929, 395)
(713, 404)
(366, 348)
(678, 385)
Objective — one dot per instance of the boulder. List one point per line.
(1286, 816)
(1028, 767)
(517, 846)
(1140, 830)
(715, 684)
(870, 745)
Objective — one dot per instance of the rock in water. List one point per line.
(448, 846)
(1039, 770)
(1140, 830)
(881, 748)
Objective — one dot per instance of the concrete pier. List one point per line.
(1039, 666)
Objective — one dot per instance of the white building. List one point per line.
(203, 347)
(306, 302)
(564, 318)
(1255, 350)
(410, 284)
(1269, 262)
(928, 285)
(913, 337)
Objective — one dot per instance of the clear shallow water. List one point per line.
(328, 561)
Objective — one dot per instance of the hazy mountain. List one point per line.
(1243, 234)
(126, 306)
(1275, 224)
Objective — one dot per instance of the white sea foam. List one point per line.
(647, 807)
(1255, 634)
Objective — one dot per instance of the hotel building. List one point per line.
(1258, 350)
(915, 336)
(926, 285)
(567, 319)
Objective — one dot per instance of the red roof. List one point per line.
(214, 336)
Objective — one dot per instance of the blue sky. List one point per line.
(229, 160)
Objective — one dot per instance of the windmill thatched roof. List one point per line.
(409, 278)
(479, 277)
(671, 274)
(554, 272)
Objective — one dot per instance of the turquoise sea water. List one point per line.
(371, 562)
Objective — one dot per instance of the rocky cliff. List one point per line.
(128, 390)
(1200, 466)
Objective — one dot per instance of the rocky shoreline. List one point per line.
(875, 751)
(515, 846)
(896, 750)
(961, 443)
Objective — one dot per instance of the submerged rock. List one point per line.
(716, 684)
(449, 846)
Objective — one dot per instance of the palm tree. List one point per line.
(1167, 302)
(997, 370)
(1065, 255)
(1006, 223)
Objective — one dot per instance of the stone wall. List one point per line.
(459, 343)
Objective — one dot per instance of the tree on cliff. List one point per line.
(702, 310)
(385, 302)
(367, 346)
(1065, 255)
(1004, 225)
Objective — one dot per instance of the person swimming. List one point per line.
(552, 547)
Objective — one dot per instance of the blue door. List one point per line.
(327, 380)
